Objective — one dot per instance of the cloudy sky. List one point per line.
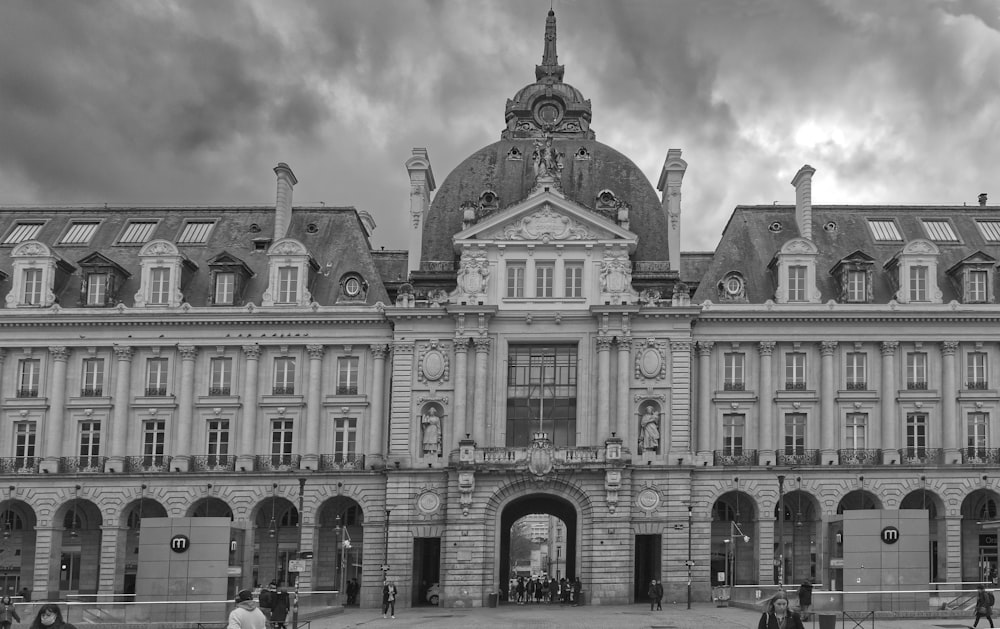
(194, 102)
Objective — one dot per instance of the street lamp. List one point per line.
(689, 563)
(295, 601)
(781, 529)
(272, 530)
(734, 527)
(344, 543)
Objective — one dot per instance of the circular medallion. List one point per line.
(428, 502)
(650, 362)
(890, 535)
(648, 499)
(548, 113)
(433, 364)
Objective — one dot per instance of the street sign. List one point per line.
(296, 565)
(384, 567)
(688, 563)
(306, 554)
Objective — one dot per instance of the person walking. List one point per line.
(279, 609)
(577, 591)
(7, 613)
(984, 605)
(655, 595)
(805, 598)
(520, 590)
(389, 592)
(247, 614)
(779, 616)
(49, 616)
(265, 600)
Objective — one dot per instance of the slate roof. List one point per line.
(748, 244)
(334, 236)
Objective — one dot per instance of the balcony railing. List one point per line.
(20, 465)
(982, 456)
(217, 391)
(347, 390)
(976, 385)
(156, 391)
(860, 456)
(802, 457)
(738, 457)
(565, 456)
(82, 464)
(276, 462)
(921, 456)
(795, 385)
(213, 463)
(916, 385)
(857, 386)
(91, 391)
(333, 462)
(734, 386)
(27, 392)
(148, 463)
(283, 390)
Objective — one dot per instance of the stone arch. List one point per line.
(980, 516)
(333, 564)
(734, 517)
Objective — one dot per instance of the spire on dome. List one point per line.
(549, 70)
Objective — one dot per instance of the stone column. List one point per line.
(111, 541)
(314, 403)
(248, 423)
(889, 421)
(603, 389)
(766, 541)
(460, 419)
(185, 409)
(376, 424)
(624, 419)
(479, 398)
(119, 424)
(949, 394)
(765, 445)
(952, 537)
(46, 577)
(57, 442)
(827, 404)
(705, 400)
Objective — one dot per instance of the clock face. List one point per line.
(352, 286)
(548, 113)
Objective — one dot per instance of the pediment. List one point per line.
(977, 259)
(546, 218)
(226, 259)
(99, 260)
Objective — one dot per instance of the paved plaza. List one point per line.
(700, 616)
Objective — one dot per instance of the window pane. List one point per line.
(541, 393)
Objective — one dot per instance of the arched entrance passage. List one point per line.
(538, 503)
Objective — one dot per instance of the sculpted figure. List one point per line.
(650, 429)
(432, 432)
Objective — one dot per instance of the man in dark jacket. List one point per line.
(805, 598)
(655, 595)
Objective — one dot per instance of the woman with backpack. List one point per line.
(984, 605)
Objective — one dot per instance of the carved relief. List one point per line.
(650, 360)
(616, 279)
(473, 275)
(434, 363)
(545, 225)
(540, 456)
(428, 502)
(648, 499)
(466, 485)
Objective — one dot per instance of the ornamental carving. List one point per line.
(434, 363)
(540, 455)
(428, 502)
(650, 360)
(473, 276)
(648, 499)
(288, 247)
(30, 249)
(616, 279)
(545, 225)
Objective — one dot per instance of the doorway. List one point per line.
(426, 571)
(647, 564)
(559, 554)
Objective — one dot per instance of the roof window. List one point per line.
(136, 233)
(79, 233)
(939, 230)
(22, 232)
(195, 232)
(884, 230)
(990, 229)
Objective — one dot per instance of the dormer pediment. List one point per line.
(546, 218)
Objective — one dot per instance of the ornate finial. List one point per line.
(550, 68)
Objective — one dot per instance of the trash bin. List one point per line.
(492, 600)
(827, 621)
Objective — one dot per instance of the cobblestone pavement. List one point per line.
(700, 616)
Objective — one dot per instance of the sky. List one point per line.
(194, 102)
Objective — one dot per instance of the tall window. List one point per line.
(93, 377)
(732, 363)
(796, 283)
(345, 439)
(795, 371)
(288, 285)
(857, 286)
(29, 372)
(220, 379)
(856, 431)
(97, 289)
(976, 293)
(574, 279)
(225, 289)
(347, 375)
(159, 285)
(857, 371)
(156, 376)
(541, 393)
(795, 433)
(32, 287)
(284, 376)
(218, 442)
(916, 435)
(281, 441)
(24, 444)
(544, 274)
(90, 444)
(918, 283)
(733, 433)
(515, 280)
(976, 370)
(916, 370)
(154, 436)
(977, 441)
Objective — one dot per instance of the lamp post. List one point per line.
(781, 529)
(344, 543)
(272, 530)
(689, 562)
(734, 528)
(295, 600)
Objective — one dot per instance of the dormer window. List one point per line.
(794, 268)
(228, 277)
(38, 276)
(796, 283)
(164, 271)
(353, 287)
(972, 277)
(854, 274)
(102, 280)
(733, 287)
(289, 270)
(913, 273)
(23, 231)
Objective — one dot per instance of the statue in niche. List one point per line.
(649, 430)
(546, 159)
(431, 423)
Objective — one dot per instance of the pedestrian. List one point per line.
(26, 594)
(563, 591)
(553, 589)
(805, 598)
(7, 613)
(389, 592)
(655, 595)
(529, 589)
(247, 614)
(50, 617)
(520, 590)
(279, 611)
(779, 616)
(984, 605)
(266, 598)
(577, 591)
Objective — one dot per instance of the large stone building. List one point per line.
(544, 347)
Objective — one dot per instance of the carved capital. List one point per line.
(766, 348)
(380, 351)
(948, 348)
(604, 343)
(187, 352)
(123, 354)
(315, 352)
(705, 347)
(624, 343)
(888, 348)
(827, 348)
(252, 352)
(461, 344)
(59, 353)
(482, 345)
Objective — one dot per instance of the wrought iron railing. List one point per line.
(216, 391)
(560, 456)
(860, 456)
(156, 391)
(333, 462)
(213, 463)
(976, 384)
(20, 464)
(82, 464)
(734, 386)
(91, 391)
(283, 390)
(857, 386)
(276, 462)
(147, 463)
(347, 390)
(27, 392)
(795, 385)
(802, 457)
(916, 385)
(737, 457)
(921, 456)
(982, 456)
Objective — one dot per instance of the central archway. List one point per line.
(538, 503)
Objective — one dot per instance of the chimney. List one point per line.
(803, 200)
(421, 187)
(982, 198)
(669, 184)
(283, 203)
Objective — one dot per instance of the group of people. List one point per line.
(49, 616)
(544, 590)
(269, 611)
